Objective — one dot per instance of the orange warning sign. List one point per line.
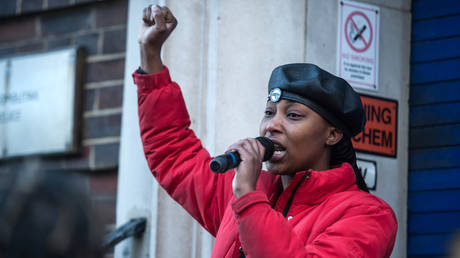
(380, 133)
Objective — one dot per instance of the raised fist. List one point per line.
(158, 23)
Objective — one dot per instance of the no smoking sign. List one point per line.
(358, 31)
(357, 60)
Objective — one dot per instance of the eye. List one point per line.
(294, 116)
(268, 112)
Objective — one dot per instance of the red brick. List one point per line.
(70, 20)
(114, 41)
(106, 155)
(89, 99)
(102, 126)
(52, 4)
(29, 6)
(8, 8)
(17, 29)
(104, 184)
(89, 42)
(112, 13)
(105, 70)
(110, 97)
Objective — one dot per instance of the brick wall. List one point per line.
(32, 26)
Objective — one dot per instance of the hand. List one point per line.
(251, 152)
(158, 23)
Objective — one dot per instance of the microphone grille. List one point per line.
(269, 147)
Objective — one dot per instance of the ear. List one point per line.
(334, 136)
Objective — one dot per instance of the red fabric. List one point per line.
(329, 215)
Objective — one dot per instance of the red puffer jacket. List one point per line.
(326, 214)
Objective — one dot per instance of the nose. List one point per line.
(273, 125)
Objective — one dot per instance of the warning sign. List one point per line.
(380, 133)
(357, 60)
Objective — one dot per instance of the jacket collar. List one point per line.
(316, 186)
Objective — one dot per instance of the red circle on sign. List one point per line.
(349, 19)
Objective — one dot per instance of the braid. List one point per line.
(343, 151)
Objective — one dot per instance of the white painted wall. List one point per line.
(221, 54)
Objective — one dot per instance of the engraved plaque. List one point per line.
(38, 102)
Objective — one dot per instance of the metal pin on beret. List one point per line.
(328, 95)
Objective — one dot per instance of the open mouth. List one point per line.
(279, 152)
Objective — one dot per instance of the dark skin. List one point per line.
(302, 137)
(158, 23)
(302, 141)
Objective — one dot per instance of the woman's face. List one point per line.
(300, 135)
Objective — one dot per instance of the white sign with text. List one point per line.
(37, 100)
(358, 44)
(368, 169)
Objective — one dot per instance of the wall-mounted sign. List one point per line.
(368, 169)
(37, 103)
(358, 44)
(380, 133)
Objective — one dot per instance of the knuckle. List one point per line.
(246, 143)
(252, 159)
(146, 12)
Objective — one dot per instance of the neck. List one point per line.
(285, 180)
(323, 163)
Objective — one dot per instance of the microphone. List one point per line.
(232, 159)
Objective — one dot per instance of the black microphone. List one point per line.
(232, 159)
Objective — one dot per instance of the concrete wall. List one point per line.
(222, 54)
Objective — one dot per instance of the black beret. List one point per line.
(330, 96)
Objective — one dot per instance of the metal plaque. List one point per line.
(38, 102)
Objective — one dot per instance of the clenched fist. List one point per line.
(158, 23)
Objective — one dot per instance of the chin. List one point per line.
(276, 169)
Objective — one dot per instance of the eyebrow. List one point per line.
(289, 102)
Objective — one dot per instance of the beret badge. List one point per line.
(275, 95)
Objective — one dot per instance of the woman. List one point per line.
(312, 202)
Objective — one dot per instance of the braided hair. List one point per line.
(343, 151)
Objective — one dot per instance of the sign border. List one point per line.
(376, 168)
(396, 124)
(75, 146)
(369, 87)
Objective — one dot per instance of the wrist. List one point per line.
(241, 190)
(151, 59)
